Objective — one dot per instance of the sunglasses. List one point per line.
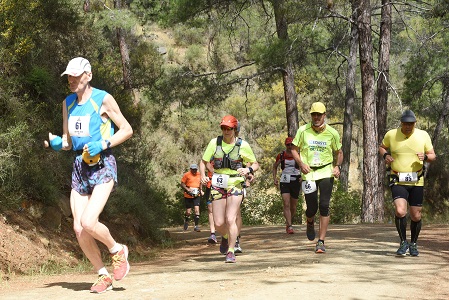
(289, 144)
(226, 128)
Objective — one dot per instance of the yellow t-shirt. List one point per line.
(403, 149)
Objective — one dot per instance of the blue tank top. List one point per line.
(85, 122)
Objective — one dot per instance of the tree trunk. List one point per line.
(124, 52)
(370, 198)
(288, 77)
(382, 92)
(349, 103)
(442, 117)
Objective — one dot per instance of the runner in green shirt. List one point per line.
(233, 160)
(317, 143)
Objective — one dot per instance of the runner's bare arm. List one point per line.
(112, 110)
(275, 171)
(204, 178)
(383, 151)
(305, 169)
(429, 156)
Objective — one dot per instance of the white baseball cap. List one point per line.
(77, 66)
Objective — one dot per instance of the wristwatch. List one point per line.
(108, 144)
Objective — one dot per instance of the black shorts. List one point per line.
(293, 188)
(191, 202)
(413, 194)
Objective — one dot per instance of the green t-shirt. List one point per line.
(317, 150)
(246, 154)
(403, 149)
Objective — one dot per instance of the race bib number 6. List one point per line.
(220, 180)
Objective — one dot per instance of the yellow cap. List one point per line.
(318, 107)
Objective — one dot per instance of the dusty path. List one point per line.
(359, 264)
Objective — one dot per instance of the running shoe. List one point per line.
(402, 248)
(224, 245)
(186, 225)
(103, 284)
(237, 248)
(310, 231)
(230, 257)
(289, 229)
(212, 239)
(196, 228)
(319, 248)
(120, 263)
(413, 248)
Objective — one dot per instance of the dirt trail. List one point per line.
(360, 263)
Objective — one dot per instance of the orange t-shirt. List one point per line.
(191, 181)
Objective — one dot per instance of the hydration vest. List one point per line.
(283, 161)
(231, 160)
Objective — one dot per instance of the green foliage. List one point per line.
(185, 36)
(345, 207)
(262, 208)
(194, 57)
(146, 65)
(136, 198)
(40, 80)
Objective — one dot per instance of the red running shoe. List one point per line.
(120, 263)
(103, 284)
(289, 229)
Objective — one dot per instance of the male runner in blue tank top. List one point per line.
(89, 116)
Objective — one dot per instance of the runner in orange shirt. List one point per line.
(191, 184)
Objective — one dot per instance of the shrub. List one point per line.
(345, 207)
(260, 207)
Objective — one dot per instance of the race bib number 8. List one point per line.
(285, 178)
(408, 177)
(220, 180)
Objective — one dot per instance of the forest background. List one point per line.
(176, 67)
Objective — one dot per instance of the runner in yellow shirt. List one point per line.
(317, 143)
(405, 150)
(233, 160)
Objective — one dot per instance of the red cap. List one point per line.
(229, 121)
(288, 140)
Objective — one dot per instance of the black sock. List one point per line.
(415, 228)
(186, 218)
(401, 226)
(197, 219)
(321, 241)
